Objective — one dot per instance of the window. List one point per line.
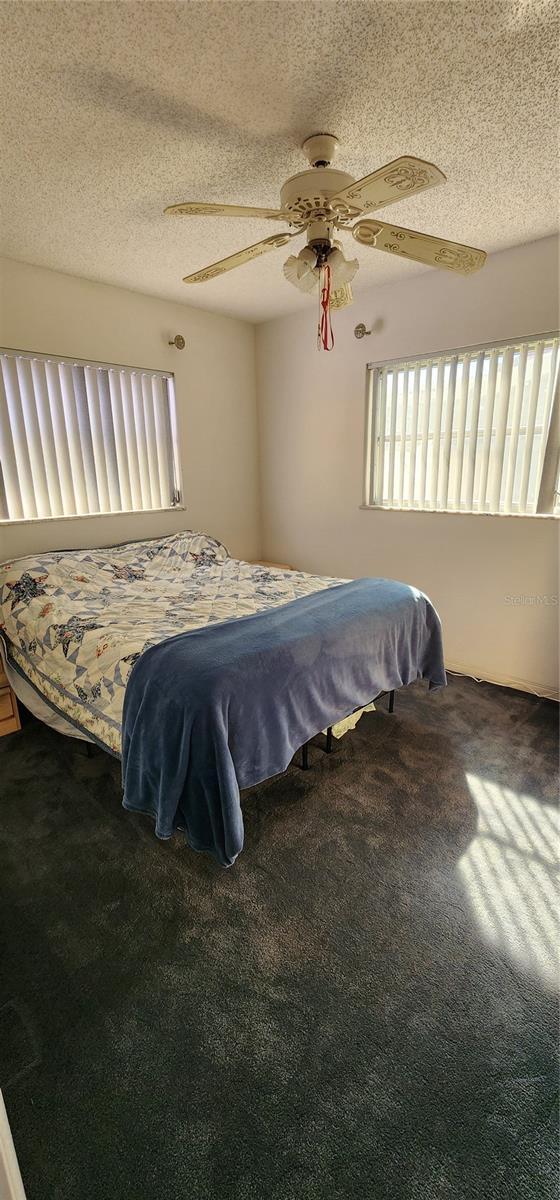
(475, 430)
(79, 438)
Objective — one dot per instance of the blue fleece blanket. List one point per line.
(224, 707)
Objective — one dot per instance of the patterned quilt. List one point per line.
(76, 621)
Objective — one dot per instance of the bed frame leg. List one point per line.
(329, 745)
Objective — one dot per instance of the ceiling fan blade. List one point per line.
(192, 208)
(395, 181)
(342, 296)
(422, 247)
(242, 256)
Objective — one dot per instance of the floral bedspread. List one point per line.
(76, 621)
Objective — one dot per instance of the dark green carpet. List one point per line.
(361, 1007)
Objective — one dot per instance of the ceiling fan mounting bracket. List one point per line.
(320, 149)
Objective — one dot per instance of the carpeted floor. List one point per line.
(362, 1007)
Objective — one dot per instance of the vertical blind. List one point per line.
(472, 431)
(78, 438)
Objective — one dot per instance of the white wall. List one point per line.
(11, 1186)
(53, 313)
(311, 420)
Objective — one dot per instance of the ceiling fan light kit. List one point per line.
(321, 201)
(343, 269)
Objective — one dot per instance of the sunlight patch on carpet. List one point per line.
(510, 871)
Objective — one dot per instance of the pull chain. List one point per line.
(325, 335)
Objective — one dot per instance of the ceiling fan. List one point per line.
(322, 200)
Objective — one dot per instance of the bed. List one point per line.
(170, 651)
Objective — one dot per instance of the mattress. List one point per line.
(75, 622)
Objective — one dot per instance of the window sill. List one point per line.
(454, 512)
(128, 512)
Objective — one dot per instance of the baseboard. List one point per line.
(11, 1185)
(550, 692)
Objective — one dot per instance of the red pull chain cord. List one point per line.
(325, 335)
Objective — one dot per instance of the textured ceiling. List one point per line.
(112, 111)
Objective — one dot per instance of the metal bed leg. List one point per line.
(329, 745)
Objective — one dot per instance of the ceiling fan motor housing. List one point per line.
(306, 194)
